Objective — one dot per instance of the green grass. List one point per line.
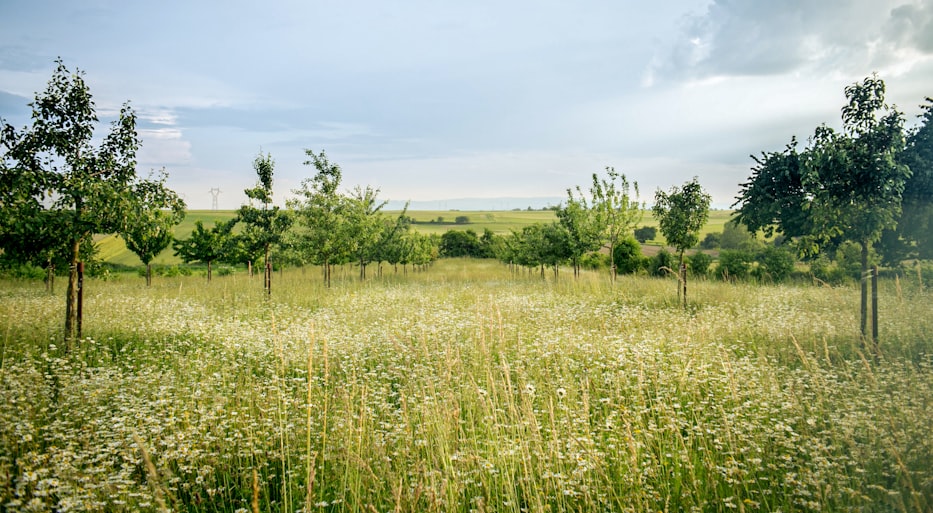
(499, 221)
(467, 387)
(112, 249)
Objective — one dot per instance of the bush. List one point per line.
(849, 259)
(662, 263)
(24, 271)
(645, 233)
(736, 236)
(823, 269)
(461, 220)
(627, 256)
(699, 263)
(775, 264)
(170, 271)
(735, 263)
(594, 261)
(458, 243)
(711, 241)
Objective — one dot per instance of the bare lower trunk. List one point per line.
(148, 275)
(267, 281)
(680, 276)
(50, 278)
(71, 299)
(864, 290)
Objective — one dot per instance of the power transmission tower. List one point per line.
(215, 192)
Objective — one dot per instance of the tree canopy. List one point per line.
(846, 185)
(63, 184)
(681, 213)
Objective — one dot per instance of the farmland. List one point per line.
(112, 248)
(466, 387)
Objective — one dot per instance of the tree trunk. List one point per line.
(267, 281)
(208, 270)
(612, 259)
(864, 284)
(50, 277)
(71, 299)
(681, 289)
(148, 274)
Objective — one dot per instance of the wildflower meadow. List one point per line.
(467, 387)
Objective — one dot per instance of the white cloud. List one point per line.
(163, 147)
(748, 37)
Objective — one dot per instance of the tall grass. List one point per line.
(464, 388)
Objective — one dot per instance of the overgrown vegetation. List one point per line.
(463, 388)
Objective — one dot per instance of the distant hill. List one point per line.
(483, 204)
(112, 248)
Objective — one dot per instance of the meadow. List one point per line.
(467, 387)
(112, 249)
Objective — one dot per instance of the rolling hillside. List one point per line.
(113, 250)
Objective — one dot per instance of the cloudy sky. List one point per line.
(432, 100)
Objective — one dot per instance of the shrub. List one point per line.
(699, 263)
(458, 243)
(461, 220)
(735, 263)
(24, 271)
(711, 241)
(662, 263)
(774, 263)
(736, 236)
(645, 233)
(594, 261)
(824, 269)
(849, 259)
(627, 256)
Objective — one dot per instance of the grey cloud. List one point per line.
(911, 26)
(749, 38)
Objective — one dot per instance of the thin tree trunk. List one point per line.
(149, 274)
(267, 282)
(680, 277)
(864, 287)
(71, 299)
(208, 270)
(50, 277)
(874, 310)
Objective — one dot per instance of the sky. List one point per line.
(432, 100)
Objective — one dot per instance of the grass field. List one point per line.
(112, 248)
(463, 388)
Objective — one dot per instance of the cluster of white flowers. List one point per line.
(486, 395)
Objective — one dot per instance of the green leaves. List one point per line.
(61, 188)
(844, 185)
(681, 214)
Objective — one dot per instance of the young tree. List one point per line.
(206, 245)
(584, 233)
(149, 227)
(69, 178)
(681, 214)
(266, 224)
(616, 211)
(364, 223)
(320, 212)
(846, 186)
